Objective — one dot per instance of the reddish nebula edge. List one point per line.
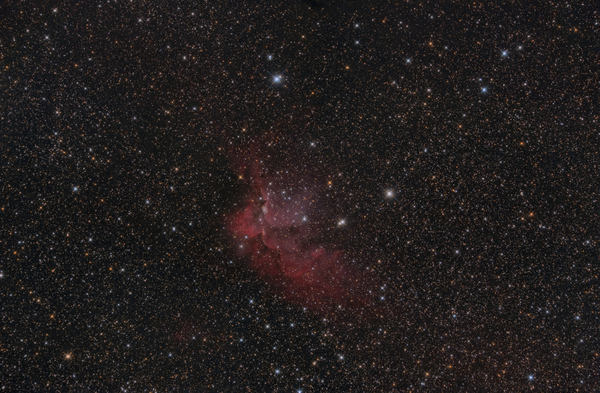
(278, 230)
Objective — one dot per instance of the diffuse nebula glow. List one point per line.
(282, 230)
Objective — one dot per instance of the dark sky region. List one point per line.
(299, 196)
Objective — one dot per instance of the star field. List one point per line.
(428, 172)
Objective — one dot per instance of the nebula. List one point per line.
(284, 230)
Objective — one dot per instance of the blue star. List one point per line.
(484, 89)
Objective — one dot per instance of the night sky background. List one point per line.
(452, 150)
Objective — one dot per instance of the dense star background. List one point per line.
(457, 142)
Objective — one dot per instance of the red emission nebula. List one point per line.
(283, 229)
